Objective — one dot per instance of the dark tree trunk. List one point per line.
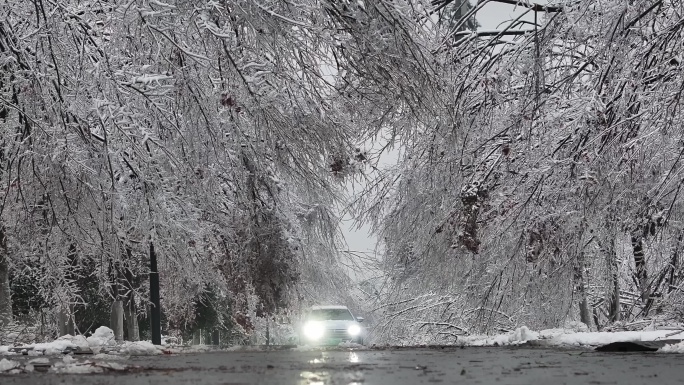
(5, 294)
(471, 198)
(581, 286)
(640, 266)
(614, 283)
(66, 320)
(155, 316)
(674, 266)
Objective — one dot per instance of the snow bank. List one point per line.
(103, 336)
(70, 365)
(7, 365)
(516, 337)
(570, 337)
(603, 338)
(673, 348)
(139, 348)
(57, 346)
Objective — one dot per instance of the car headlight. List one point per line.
(354, 330)
(313, 330)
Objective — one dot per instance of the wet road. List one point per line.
(382, 367)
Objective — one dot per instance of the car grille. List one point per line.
(337, 333)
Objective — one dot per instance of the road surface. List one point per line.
(495, 365)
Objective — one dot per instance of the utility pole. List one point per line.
(155, 316)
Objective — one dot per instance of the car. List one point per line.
(331, 325)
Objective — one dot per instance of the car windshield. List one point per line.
(331, 314)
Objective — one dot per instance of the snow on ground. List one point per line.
(71, 365)
(519, 336)
(674, 348)
(569, 337)
(107, 351)
(101, 341)
(103, 336)
(140, 348)
(7, 365)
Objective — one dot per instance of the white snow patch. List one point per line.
(139, 348)
(673, 348)
(71, 365)
(603, 338)
(516, 337)
(565, 337)
(55, 347)
(103, 336)
(7, 365)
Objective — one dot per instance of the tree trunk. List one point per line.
(580, 279)
(117, 320)
(470, 197)
(197, 337)
(640, 266)
(66, 320)
(614, 283)
(131, 319)
(674, 268)
(155, 310)
(5, 294)
(130, 309)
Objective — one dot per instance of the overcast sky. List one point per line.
(491, 16)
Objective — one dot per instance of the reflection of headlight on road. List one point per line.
(354, 330)
(313, 330)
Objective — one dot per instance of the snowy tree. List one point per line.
(188, 126)
(516, 202)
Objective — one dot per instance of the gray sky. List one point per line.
(493, 14)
